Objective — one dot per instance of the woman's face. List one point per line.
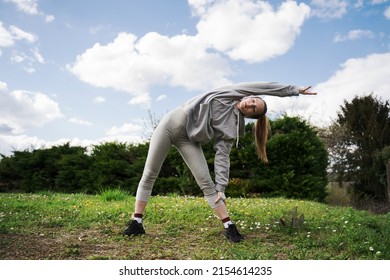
(250, 106)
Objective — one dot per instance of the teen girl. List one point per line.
(217, 115)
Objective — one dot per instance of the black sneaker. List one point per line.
(134, 228)
(232, 234)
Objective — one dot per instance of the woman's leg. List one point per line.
(193, 156)
(140, 206)
(221, 211)
(160, 144)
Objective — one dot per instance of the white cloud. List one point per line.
(27, 61)
(161, 97)
(356, 77)
(249, 30)
(99, 99)
(37, 56)
(17, 57)
(27, 6)
(243, 30)
(6, 39)
(29, 68)
(125, 129)
(359, 3)
(30, 7)
(21, 110)
(19, 34)
(387, 13)
(49, 18)
(355, 35)
(99, 28)
(77, 120)
(199, 7)
(140, 100)
(133, 66)
(329, 9)
(9, 143)
(3, 87)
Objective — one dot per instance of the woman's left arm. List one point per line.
(222, 150)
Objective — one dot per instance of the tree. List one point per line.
(365, 122)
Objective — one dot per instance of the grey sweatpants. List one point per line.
(172, 131)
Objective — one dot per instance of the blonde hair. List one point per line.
(261, 131)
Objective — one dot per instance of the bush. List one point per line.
(298, 161)
(71, 169)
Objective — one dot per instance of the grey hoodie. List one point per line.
(213, 116)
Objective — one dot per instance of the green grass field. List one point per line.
(63, 226)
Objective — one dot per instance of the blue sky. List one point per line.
(88, 71)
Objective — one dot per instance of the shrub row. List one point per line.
(297, 168)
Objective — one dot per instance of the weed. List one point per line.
(113, 194)
(293, 219)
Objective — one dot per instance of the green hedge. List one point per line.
(297, 168)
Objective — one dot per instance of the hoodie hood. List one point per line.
(216, 118)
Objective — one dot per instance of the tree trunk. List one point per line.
(388, 180)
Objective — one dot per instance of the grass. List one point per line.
(113, 194)
(77, 226)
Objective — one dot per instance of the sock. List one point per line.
(138, 217)
(226, 222)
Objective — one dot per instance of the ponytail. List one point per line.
(261, 131)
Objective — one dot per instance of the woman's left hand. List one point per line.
(220, 196)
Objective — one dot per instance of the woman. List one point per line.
(216, 115)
